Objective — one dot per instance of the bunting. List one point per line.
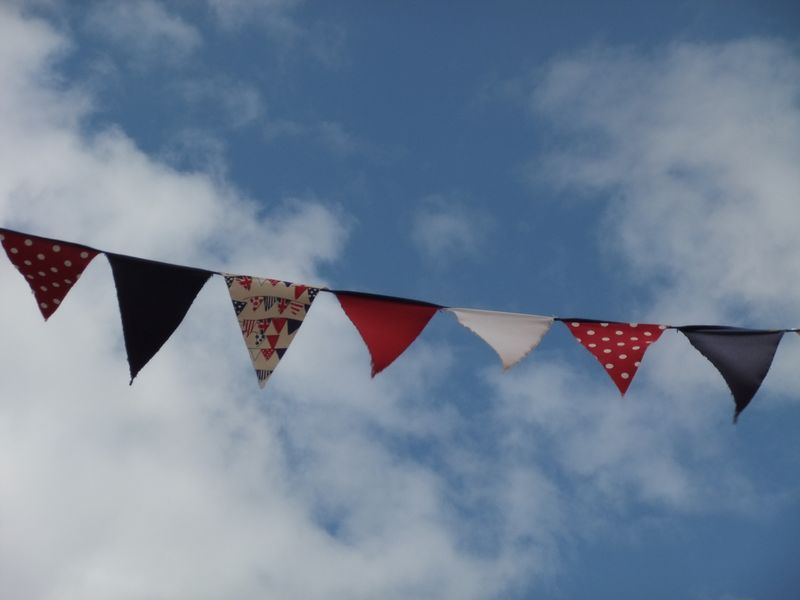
(51, 267)
(153, 299)
(269, 312)
(742, 356)
(619, 347)
(512, 335)
(387, 325)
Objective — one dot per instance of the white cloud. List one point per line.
(192, 483)
(694, 149)
(445, 229)
(145, 30)
(698, 147)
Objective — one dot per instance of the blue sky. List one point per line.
(622, 161)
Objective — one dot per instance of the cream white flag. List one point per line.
(511, 335)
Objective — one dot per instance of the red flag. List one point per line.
(387, 325)
(51, 267)
(619, 347)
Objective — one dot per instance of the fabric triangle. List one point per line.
(511, 335)
(742, 356)
(51, 267)
(265, 314)
(387, 325)
(238, 306)
(619, 347)
(153, 299)
(263, 375)
(292, 325)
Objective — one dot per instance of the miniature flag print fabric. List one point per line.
(619, 347)
(742, 356)
(51, 267)
(269, 312)
(387, 325)
(511, 335)
(153, 299)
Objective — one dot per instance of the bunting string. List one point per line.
(154, 297)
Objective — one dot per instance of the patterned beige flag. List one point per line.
(511, 335)
(270, 312)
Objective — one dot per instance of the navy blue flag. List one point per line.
(153, 299)
(742, 356)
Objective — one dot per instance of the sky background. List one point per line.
(633, 161)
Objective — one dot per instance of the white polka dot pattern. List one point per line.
(618, 346)
(50, 268)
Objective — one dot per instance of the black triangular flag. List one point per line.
(153, 299)
(742, 356)
(293, 325)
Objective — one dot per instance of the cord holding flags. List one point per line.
(154, 297)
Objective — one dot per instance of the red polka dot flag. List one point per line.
(50, 267)
(619, 347)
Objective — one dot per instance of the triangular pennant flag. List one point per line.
(153, 300)
(293, 325)
(619, 347)
(238, 306)
(387, 325)
(256, 318)
(742, 356)
(511, 335)
(51, 267)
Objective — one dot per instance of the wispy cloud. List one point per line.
(696, 148)
(235, 104)
(332, 136)
(274, 13)
(145, 31)
(445, 229)
(323, 41)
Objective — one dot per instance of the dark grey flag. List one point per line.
(742, 356)
(153, 299)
